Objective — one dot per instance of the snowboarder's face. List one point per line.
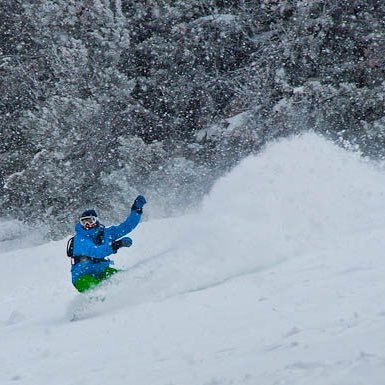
(89, 222)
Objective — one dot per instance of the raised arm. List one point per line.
(116, 232)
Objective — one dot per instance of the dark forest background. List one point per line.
(101, 100)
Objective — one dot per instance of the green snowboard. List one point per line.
(88, 281)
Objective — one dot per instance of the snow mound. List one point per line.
(306, 189)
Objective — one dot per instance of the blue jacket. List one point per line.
(97, 243)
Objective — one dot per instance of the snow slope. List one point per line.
(278, 279)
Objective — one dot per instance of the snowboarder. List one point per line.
(93, 243)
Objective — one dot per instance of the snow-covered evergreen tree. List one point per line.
(103, 99)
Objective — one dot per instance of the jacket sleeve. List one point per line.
(116, 232)
(85, 247)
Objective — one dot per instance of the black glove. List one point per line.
(124, 242)
(139, 202)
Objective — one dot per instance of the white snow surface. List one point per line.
(278, 279)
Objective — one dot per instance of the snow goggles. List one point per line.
(88, 221)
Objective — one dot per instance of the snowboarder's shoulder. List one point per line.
(78, 229)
